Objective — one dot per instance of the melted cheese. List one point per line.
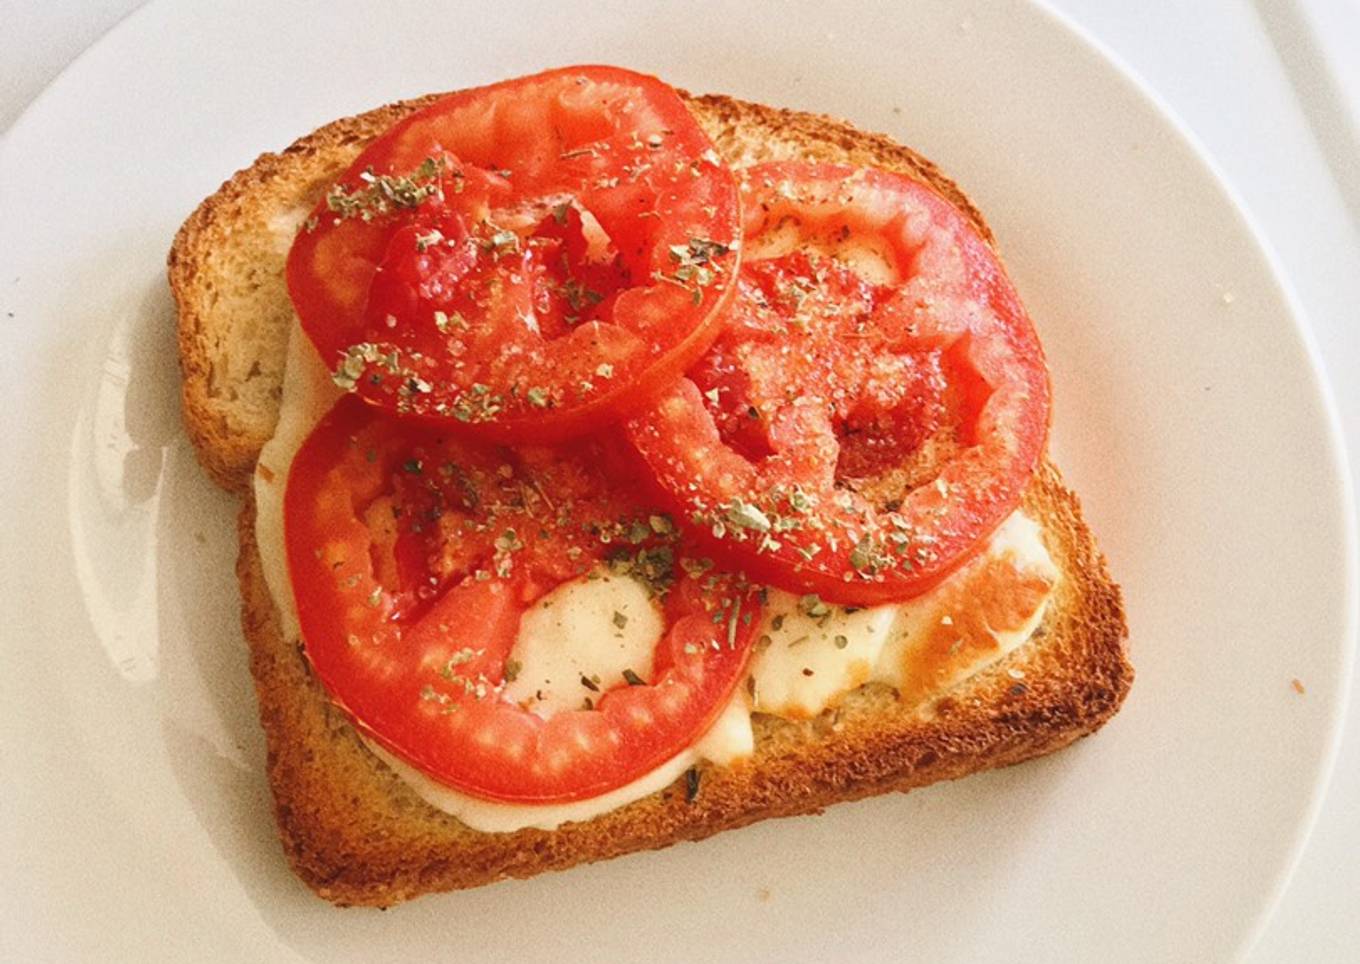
(308, 393)
(811, 659)
(590, 629)
(975, 618)
(810, 656)
(806, 660)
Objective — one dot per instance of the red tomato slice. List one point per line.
(877, 402)
(412, 557)
(526, 259)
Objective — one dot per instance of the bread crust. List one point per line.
(357, 834)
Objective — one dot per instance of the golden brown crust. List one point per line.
(226, 274)
(355, 832)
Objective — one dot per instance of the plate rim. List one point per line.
(1342, 705)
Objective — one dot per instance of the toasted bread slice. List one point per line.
(353, 830)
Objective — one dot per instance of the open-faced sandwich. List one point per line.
(620, 467)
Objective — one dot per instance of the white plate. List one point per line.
(1189, 415)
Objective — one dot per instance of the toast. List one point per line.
(352, 829)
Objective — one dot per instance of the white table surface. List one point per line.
(1271, 90)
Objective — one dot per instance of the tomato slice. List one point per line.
(525, 259)
(413, 555)
(878, 400)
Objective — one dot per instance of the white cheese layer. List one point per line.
(805, 661)
(811, 653)
(585, 633)
(308, 393)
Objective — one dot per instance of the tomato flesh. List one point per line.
(413, 555)
(876, 403)
(524, 259)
